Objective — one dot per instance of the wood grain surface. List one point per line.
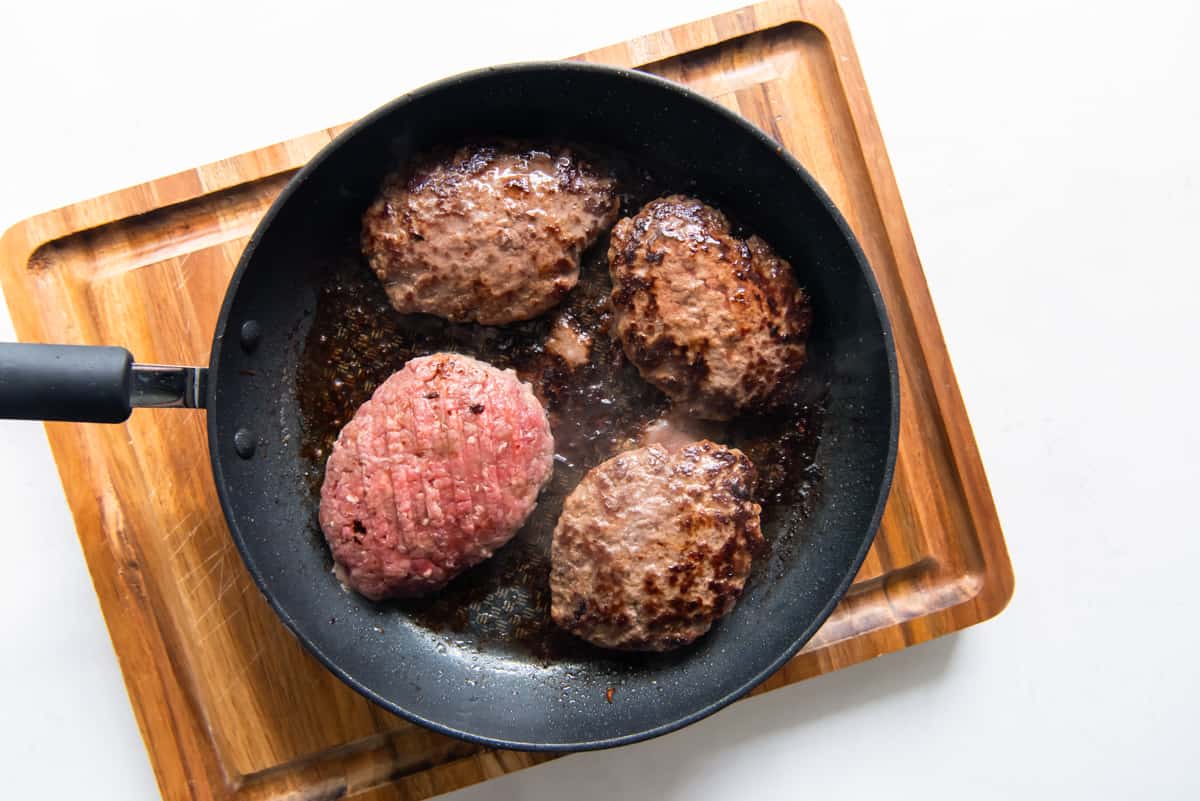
(228, 703)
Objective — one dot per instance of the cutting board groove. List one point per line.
(229, 705)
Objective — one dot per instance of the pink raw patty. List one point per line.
(435, 472)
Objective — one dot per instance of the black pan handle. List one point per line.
(89, 384)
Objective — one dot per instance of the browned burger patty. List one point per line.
(489, 235)
(654, 545)
(716, 322)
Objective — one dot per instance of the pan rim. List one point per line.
(787, 160)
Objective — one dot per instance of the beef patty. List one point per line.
(654, 545)
(716, 322)
(489, 235)
(432, 474)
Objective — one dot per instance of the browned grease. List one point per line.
(357, 340)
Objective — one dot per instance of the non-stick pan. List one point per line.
(452, 679)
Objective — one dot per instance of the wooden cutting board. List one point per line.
(229, 705)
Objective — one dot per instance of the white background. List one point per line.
(1049, 158)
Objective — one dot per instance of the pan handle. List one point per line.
(89, 384)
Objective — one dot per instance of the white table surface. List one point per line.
(1049, 158)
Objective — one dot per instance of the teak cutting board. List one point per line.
(229, 705)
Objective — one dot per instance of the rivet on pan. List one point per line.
(251, 331)
(243, 443)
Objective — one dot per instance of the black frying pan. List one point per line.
(456, 678)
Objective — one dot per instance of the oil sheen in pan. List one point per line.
(596, 410)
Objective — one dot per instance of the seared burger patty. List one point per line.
(716, 322)
(654, 545)
(489, 235)
(434, 473)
